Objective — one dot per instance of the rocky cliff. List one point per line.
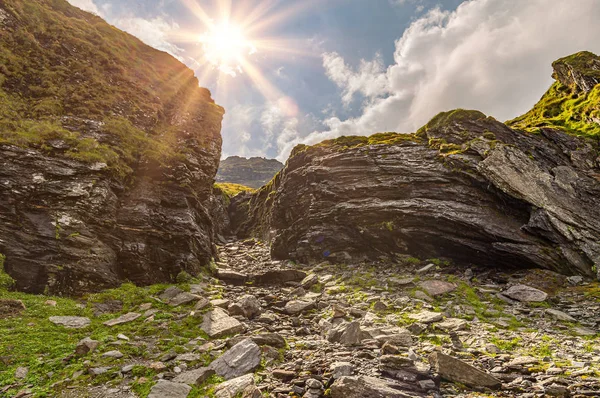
(108, 152)
(465, 187)
(253, 172)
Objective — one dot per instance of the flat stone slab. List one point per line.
(525, 293)
(131, 316)
(217, 323)
(559, 315)
(372, 387)
(437, 288)
(452, 324)
(71, 322)
(242, 358)
(183, 298)
(426, 316)
(194, 377)
(232, 277)
(169, 389)
(295, 307)
(458, 371)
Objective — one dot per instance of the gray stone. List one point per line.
(270, 339)
(194, 377)
(71, 322)
(21, 372)
(183, 298)
(426, 268)
(351, 334)
(86, 346)
(458, 371)
(113, 354)
(559, 315)
(250, 306)
(234, 387)
(525, 293)
(217, 323)
(222, 303)
(169, 389)
(99, 371)
(129, 317)
(232, 277)
(437, 288)
(169, 293)
(309, 281)
(453, 324)
(202, 303)
(240, 359)
(295, 307)
(426, 316)
(340, 369)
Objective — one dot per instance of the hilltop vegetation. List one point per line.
(91, 92)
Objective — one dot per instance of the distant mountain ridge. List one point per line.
(253, 172)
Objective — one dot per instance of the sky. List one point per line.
(302, 71)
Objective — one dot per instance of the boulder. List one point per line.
(183, 298)
(239, 360)
(427, 316)
(85, 346)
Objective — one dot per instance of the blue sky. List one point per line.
(364, 66)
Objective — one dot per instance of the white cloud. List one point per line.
(155, 32)
(491, 55)
(86, 5)
(368, 80)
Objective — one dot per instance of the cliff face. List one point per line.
(253, 172)
(465, 186)
(108, 152)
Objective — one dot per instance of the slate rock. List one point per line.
(559, 315)
(183, 298)
(169, 293)
(194, 377)
(71, 322)
(459, 371)
(525, 293)
(234, 387)
(437, 288)
(239, 360)
(296, 307)
(232, 277)
(129, 317)
(217, 323)
(426, 316)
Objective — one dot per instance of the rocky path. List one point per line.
(264, 328)
(420, 330)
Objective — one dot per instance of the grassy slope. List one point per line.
(566, 107)
(60, 65)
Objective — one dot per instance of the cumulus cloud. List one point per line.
(491, 55)
(368, 79)
(86, 5)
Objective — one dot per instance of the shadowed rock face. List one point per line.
(465, 187)
(72, 226)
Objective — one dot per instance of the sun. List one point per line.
(225, 47)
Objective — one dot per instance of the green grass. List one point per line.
(31, 340)
(506, 345)
(231, 189)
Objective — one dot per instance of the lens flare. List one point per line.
(225, 47)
